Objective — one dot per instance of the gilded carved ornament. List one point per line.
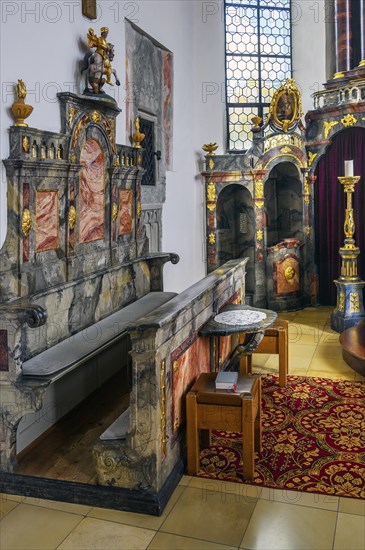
(311, 157)
(175, 366)
(341, 302)
(354, 302)
(95, 117)
(26, 222)
(289, 273)
(26, 144)
(259, 235)
(286, 106)
(163, 408)
(71, 115)
(259, 189)
(307, 230)
(72, 217)
(211, 195)
(114, 211)
(211, 238)
(348, 120)
(285, 149)
(327, 127)
(139, 209)
(211, 164)
(209, 148)
(137, 137)
(20, 109)
(259, 204)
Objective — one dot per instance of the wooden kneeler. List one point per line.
(275, 341)
(210, 409)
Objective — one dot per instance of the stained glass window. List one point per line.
(258, 60)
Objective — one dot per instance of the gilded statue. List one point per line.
(98, 65)
(21, 89)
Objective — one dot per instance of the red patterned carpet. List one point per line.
(313, 439)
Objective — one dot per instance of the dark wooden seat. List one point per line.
(353, 342)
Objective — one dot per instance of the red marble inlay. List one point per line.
(4, 358)
(46, 220)
(125, 211)
(186, 366)
(92, 193)
(286, 275)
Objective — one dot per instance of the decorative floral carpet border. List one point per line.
(313, 439)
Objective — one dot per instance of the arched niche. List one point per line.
(236, 229)
(283, 204)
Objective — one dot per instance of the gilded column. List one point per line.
(343, 37)
(211, 205)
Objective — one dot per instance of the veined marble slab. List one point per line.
(119, 428)
(85, 344)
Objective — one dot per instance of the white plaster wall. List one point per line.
(309, 59)
(43, 42)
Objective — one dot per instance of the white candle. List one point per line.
(349, 168)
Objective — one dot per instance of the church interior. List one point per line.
(181, 205)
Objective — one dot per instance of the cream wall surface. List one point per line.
(43, 42)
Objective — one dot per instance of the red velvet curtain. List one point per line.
(330, 209)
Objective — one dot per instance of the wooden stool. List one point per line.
(240, 411)
(275, 341)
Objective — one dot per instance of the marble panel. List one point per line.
(125, 211)
(92, 192)
(287, 275)
(187, 365)
(47, 220)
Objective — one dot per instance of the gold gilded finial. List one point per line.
(137, 137)
(209, 148)
(20, 110)
(257, 121)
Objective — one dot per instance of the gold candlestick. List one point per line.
(349, 310)
(349, 251)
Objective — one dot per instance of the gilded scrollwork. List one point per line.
(311, 157)
(163, 408)
(114, 211)
(72, 217)
(259, 189)
(26, 222)
(348, 120)
(72, 112)
(328, 125)
(211, 238)
(354, 302)
(26, 144)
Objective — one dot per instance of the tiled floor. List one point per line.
(206, 514)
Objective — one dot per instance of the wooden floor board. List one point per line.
(66, 452)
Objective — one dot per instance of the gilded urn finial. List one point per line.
(137, 137)
(257, 121)
(209, 148)
(20, 110)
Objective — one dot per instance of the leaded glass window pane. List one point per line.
(258, 60)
